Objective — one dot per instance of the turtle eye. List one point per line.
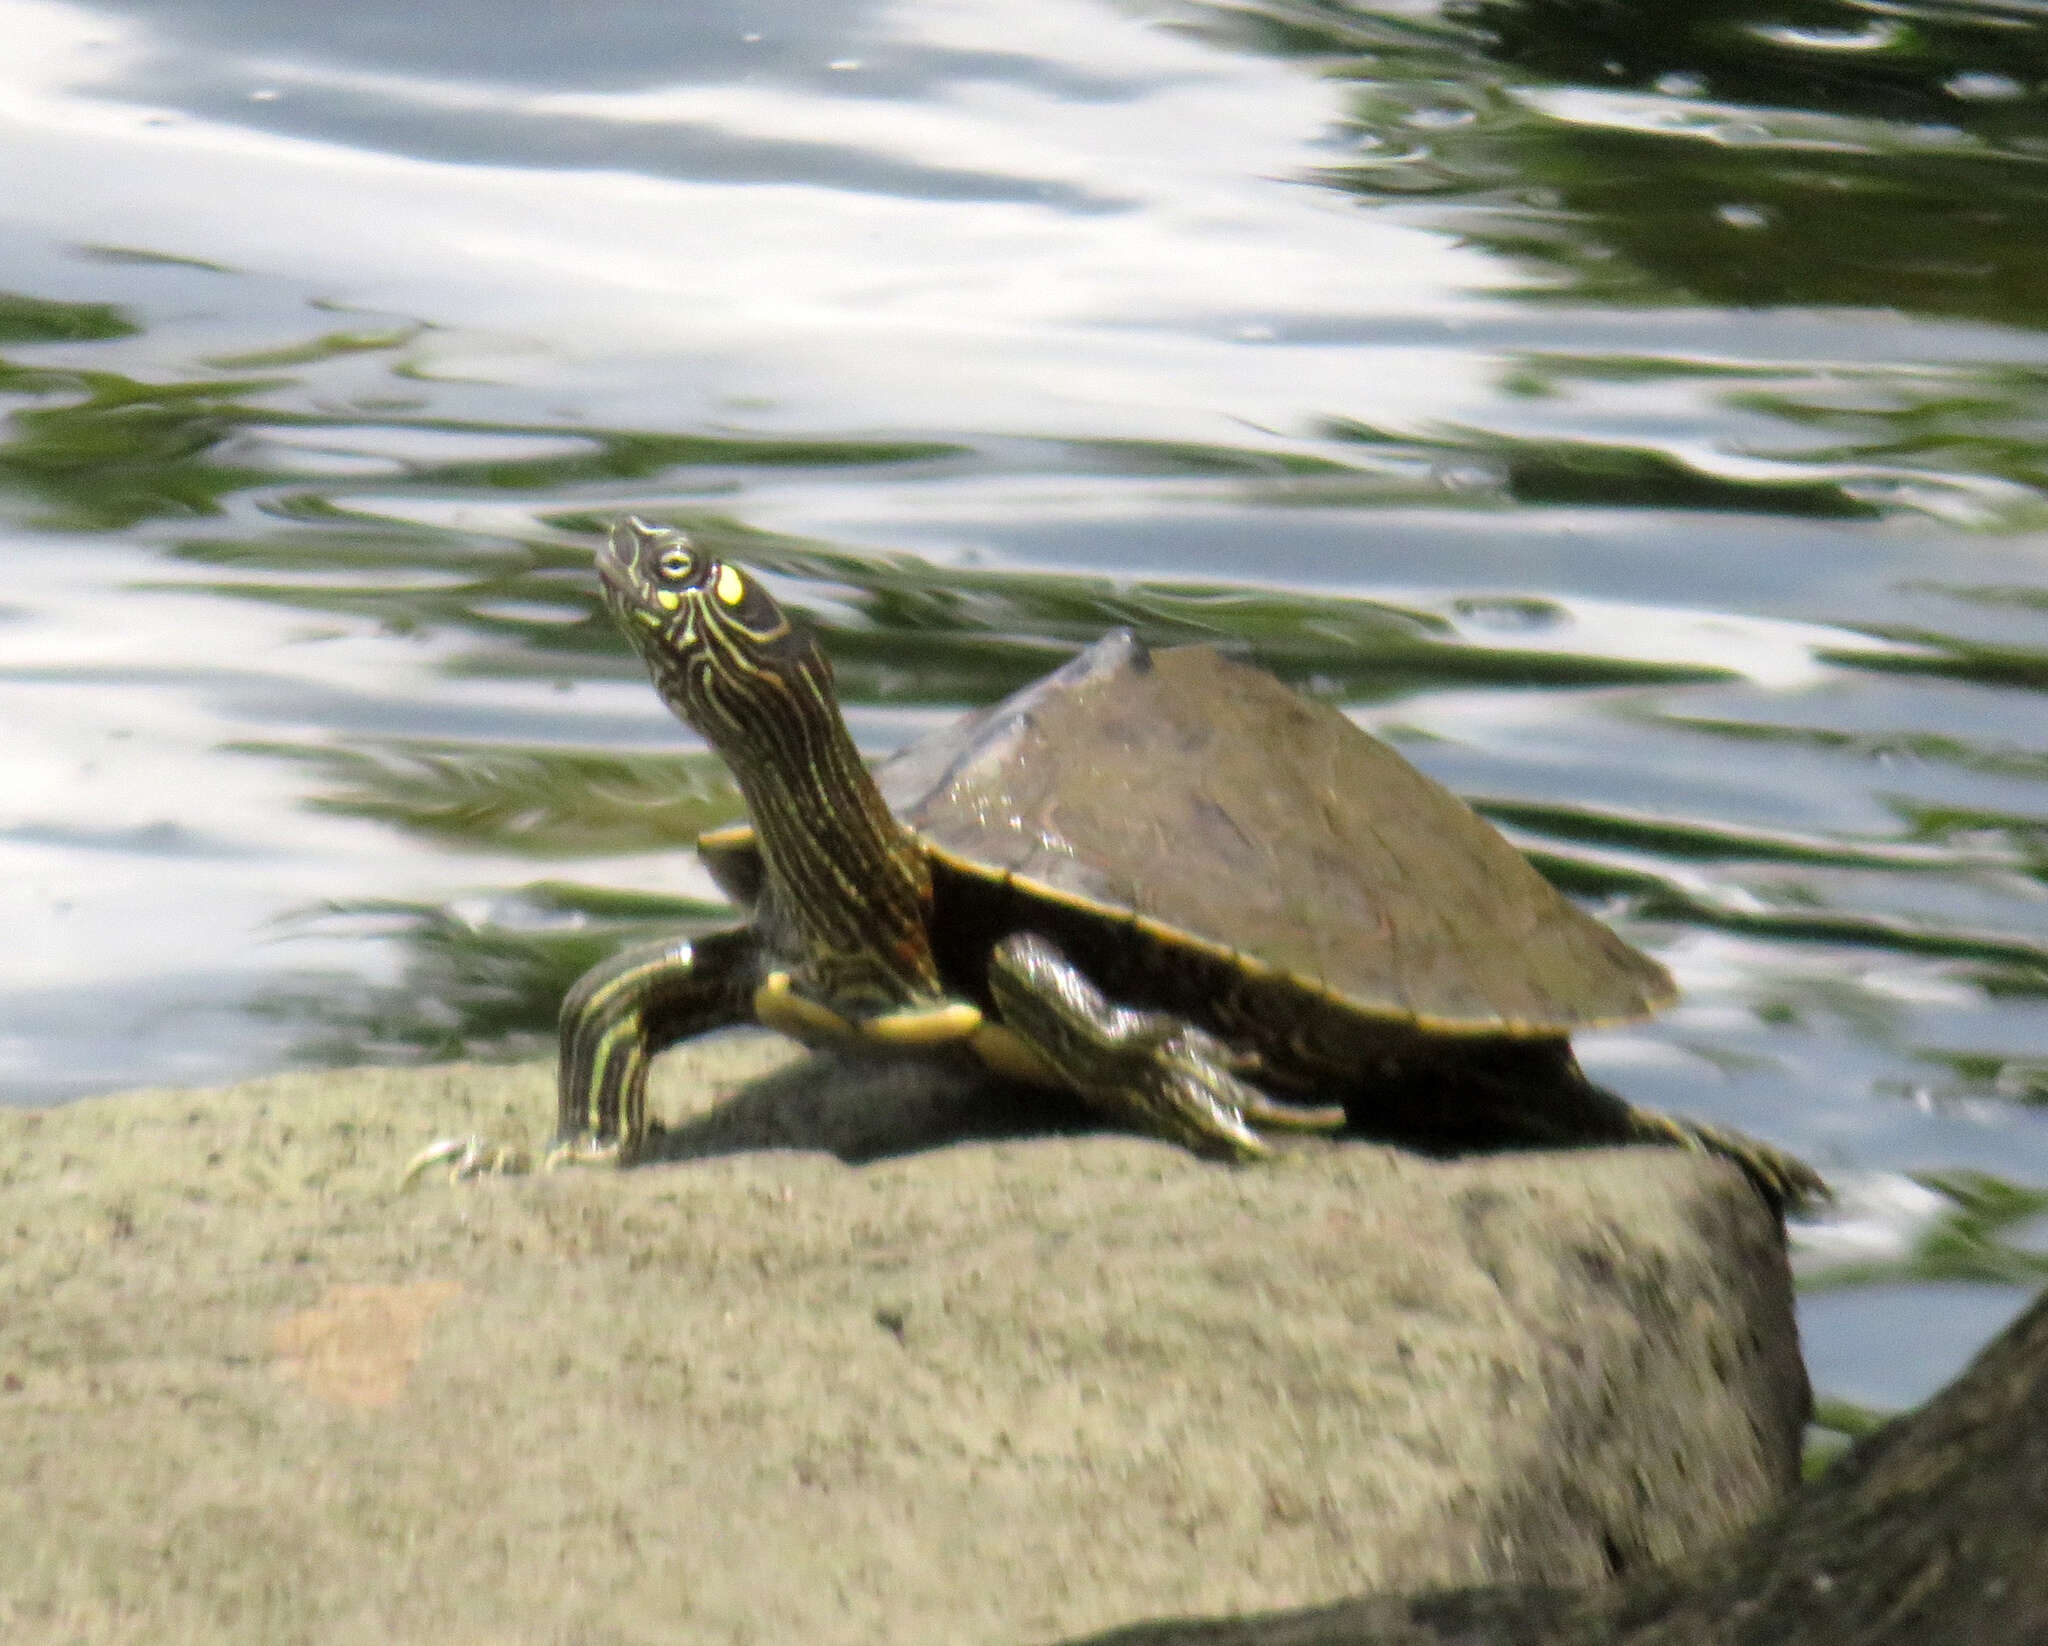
(676, 562)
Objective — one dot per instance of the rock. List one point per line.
(1931, 1532)
(994, 1390)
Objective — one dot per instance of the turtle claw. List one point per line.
(1275, 1115)
(466, 1157)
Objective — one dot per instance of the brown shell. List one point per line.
(1224, 811)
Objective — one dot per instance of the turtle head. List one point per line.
(723, 654)
(846, 886)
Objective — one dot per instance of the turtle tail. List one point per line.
(1787, 1182)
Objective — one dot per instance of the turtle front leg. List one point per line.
(615, 1019)
(624, 1011)
(1151, 1070)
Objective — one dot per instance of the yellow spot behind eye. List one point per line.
(667, 599)
(732, 588)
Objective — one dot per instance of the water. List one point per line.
(1635, 412)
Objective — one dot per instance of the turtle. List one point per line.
(1216, 910)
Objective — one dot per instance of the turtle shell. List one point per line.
(1202, 802)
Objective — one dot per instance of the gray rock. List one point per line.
(992, 1390)
(1931, 1532)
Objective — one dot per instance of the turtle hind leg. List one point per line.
(1151, 1070)
(1782, 1179)
(1512, 1093)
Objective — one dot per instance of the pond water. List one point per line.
(1638, 413)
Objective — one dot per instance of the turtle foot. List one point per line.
(466, 1157)
(582, 1149)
